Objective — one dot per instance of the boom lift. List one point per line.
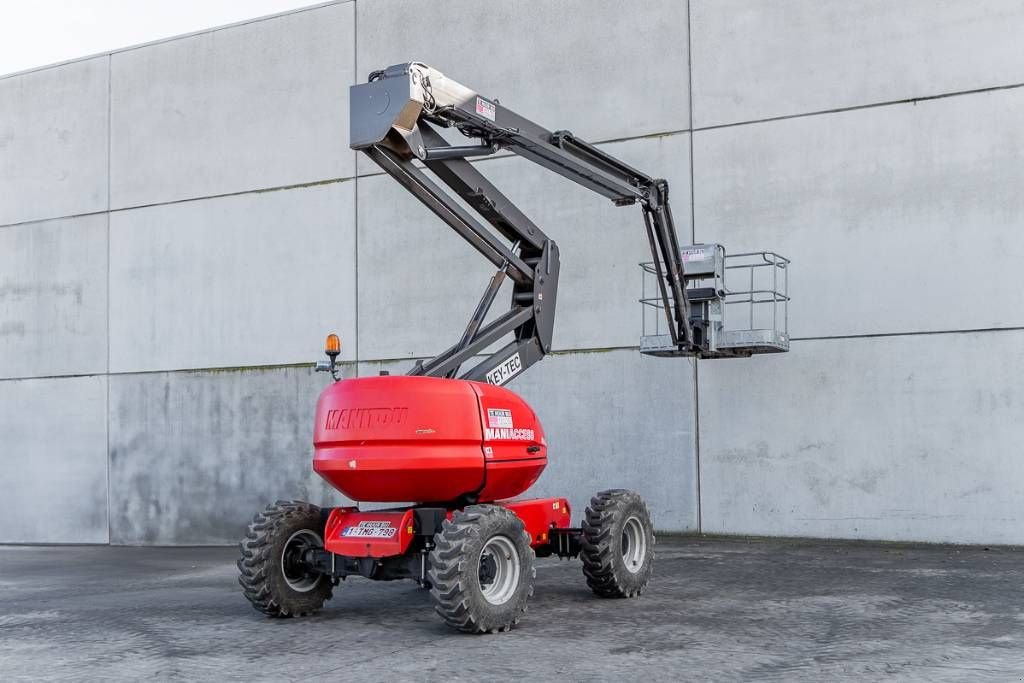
(447, 435)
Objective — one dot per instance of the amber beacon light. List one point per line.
(332, 347)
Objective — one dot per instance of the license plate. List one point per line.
(370, 530)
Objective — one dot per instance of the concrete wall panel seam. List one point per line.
(859, 107)
(106, 416)
(693, 239)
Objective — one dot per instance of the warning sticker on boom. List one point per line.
(485, 108)
(371, 529)
(508, 369)
(695, 255)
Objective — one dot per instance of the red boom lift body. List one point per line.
(448, 444)
(398, 439)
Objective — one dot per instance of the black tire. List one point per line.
(269, 580)
(469, 569)
(618, 544)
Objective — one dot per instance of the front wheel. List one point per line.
(481, 569)
(618, 544)
(271, 571)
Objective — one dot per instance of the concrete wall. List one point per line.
(876, 144)
(181, 222)
(868, 437)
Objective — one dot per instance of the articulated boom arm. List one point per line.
(393, 121)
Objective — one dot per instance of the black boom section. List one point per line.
(394, 119)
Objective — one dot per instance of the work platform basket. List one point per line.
(739, 303)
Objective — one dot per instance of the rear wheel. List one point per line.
(271, 572)
(481, 569)
(618, 544)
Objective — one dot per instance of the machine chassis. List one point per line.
(477, 560)
(476, 553)
(547, 538)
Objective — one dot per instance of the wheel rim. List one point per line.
(295, 573)
(634, 544)
(499, 570)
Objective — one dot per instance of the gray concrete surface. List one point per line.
(716, 610)
(53, 297)
(868, 438)
(53, 142)
(53, 461)
(125, 269)
(260, 105)
(252, 279)
(598, 67)
(754, 60)
(194, 455)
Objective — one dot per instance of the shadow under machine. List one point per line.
(448, 436)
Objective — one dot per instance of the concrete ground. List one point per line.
(716, 610)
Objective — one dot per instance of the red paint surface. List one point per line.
(426, 439)
(539, 515)
(337, 542)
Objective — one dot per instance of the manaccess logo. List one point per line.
(503, 434)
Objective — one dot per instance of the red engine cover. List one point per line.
(426, 439)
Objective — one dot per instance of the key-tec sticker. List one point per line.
(499, 417)
(370, 529)
(485, 108)
(508, 369)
